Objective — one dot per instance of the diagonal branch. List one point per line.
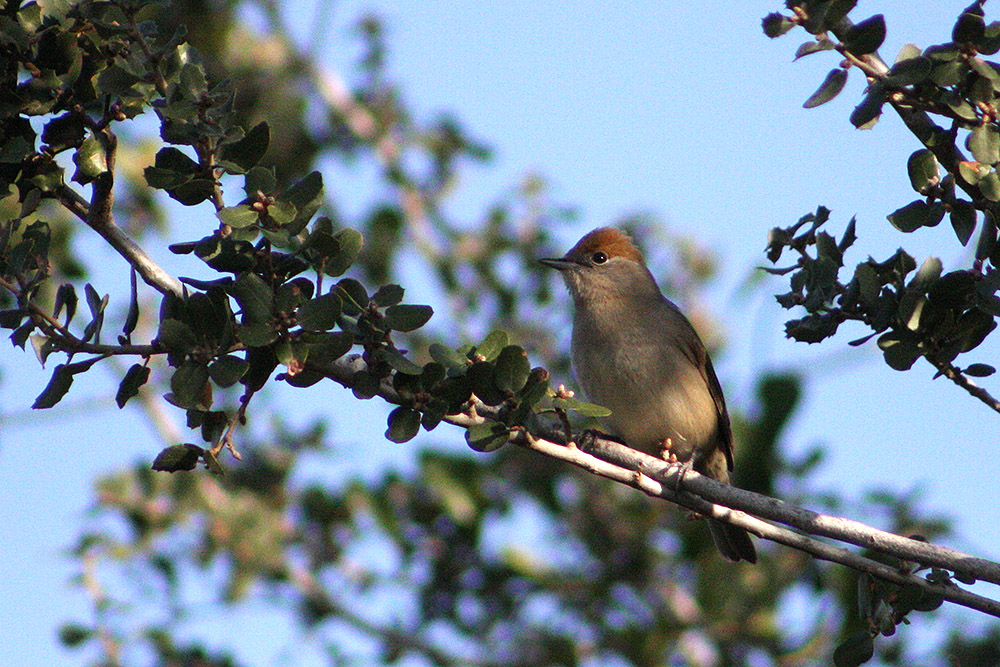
(660, 479)
(678, 484)
(99, 217)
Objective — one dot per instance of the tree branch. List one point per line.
(679, 484)
(99, 217)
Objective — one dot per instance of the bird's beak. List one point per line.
(558, 264)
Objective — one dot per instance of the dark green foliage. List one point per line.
(914, 319)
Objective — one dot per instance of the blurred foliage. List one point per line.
(431, 565)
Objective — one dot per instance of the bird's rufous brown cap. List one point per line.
(612, 242)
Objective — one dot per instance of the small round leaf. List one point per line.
(404, 424)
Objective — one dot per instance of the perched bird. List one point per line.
(635, 353)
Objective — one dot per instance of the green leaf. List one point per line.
(987, 238)
(990, 43)
(900, 353)
(487, 437)
(973, 172)
(404, 424)
(225, 254)
(307, 196)
(282, 212)
(990, 186)
(62, 132)
(353, 295)
(241, 156)
(187, 386)
(398, 361)
(90, 159)
(979, 370)
(59, 384)
(830, 88)
(866, 36)
(65, 296)
(512, 369)
(238, 217)
(115, 80)
(212, 463)
(289, 296)
(776, 25)
(171, 168)
(908, 51)
(292, 355)
(927, 275)
(481, 376)
(910, 71)
(132, 316)
(961, 108)
(986, 69)
(254, 296)
(97, 305)
(388, 295)
(178, 457)
(176, 336)
(984, 142)
(969, 29)
(321, 313)
(585, 409)
(811, 328)
(963, 220)
(922, 168)
(227, 370)
(490, 348)
(813, 46)
(193, 191)
(328, 345)
(866, 114)
(135, 377)
(259, 181)
(915, 215)
(855, 650)
(346, 246)
(535, 389)
(947, 74)
(11, 319)
(447, 357)
(407, 317)
(258, 334)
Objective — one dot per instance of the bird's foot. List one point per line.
(667, 453)
(666, 447)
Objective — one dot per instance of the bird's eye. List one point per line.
(599, 257)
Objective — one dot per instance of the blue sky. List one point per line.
(681, 110)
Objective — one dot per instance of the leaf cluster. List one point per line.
(930, 314)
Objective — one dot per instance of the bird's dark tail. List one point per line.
(733, 542)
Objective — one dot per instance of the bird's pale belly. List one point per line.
(645, 411)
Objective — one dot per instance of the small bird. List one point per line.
(636, 354)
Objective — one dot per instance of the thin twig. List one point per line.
(962, 380)
(67, 342)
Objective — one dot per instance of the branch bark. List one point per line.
(99, 217)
